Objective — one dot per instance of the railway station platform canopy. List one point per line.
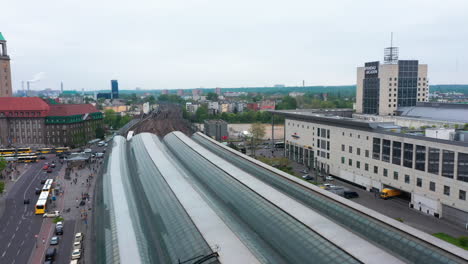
(194, 200)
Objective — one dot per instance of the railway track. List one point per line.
(167, 118)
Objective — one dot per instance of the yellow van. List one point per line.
(388, 193)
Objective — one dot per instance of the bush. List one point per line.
(57, 219)
(399, 219)
(463, 241)
(2, 186)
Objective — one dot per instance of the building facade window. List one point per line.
(462, 195)
(342, 160)
(446, 190)
(350, 149)
(462, 167)
(432, 186)
(396, 153)
(358, 151)
(385, 172)
(350, 162)
(408, 155)
(395, 175)
(448, 161)
(420, 158)
(358, 164)
(407, 178)
(433, 160)
(376, 149)
(366, 153)
(342, 147)
(366, 167)
(419, 182)
(386, 150)
(376, 169)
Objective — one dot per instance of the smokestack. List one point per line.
(27, 85)
(61, 86)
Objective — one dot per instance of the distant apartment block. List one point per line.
(165, 91)
(196, 92)
(191, 107)
(216, 129)
(296, 94)
(218, 91)
(267, 105)
(115, 89)
(180, 92)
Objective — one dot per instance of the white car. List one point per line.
(59, 224)
(76, 254)
(77, 245)
(52, 214)
(78, 237)
(329, 178)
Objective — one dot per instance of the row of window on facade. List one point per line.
(403, 154)
(21, 114)
(407, 178)
(395, 78)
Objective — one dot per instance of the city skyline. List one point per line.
(211, 44)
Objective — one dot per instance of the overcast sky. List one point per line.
(202, 43)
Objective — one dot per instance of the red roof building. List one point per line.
(23, 107)
(26, 121)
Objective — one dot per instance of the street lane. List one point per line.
(19, 223)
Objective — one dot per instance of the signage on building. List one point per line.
(295, 136)
(371, 69)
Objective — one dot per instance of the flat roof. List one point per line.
(437, 111)
(358, 124)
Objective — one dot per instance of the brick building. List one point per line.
(32, 121)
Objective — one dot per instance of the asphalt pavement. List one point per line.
(19, 224)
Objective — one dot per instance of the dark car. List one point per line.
(49, 170)
(43, 181)
(38, 191)
(351, 194)
(52, 165)
(59, 230)
(50, 254)
(42, 157)
(26, 201)
(307, 177)
(82, 203)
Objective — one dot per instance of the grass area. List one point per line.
(459, 242)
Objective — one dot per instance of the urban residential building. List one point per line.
(5, 70)
(32, 121)
(382, 88)
(376, 155)
(216, 129)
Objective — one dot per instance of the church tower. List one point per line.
(5, 70)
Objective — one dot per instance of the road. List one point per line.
(19, 224)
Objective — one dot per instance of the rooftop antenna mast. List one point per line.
(391, 53)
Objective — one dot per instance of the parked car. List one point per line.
(76, 254)
(52, 165)
(52, 214)
(60, 223)
(50, 254)
(46, 167)
(59, 230)
(307, 177)
(350, 194)
(329, 178)
(49, 170)
(78, 237)
(77, 245)
(54, 240)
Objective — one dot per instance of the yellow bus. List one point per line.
(44, 150)
(23, 150)
(7, 155)
(26, 154)
(42, 201)
(27, 159)
(7, 151)
(61, 149)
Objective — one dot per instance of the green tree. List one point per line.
(257, 131)
(150, 99)
(2, 187)
(110, 117)
(212, 96)
(288, 102)
(100, 132)
(201, 114)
